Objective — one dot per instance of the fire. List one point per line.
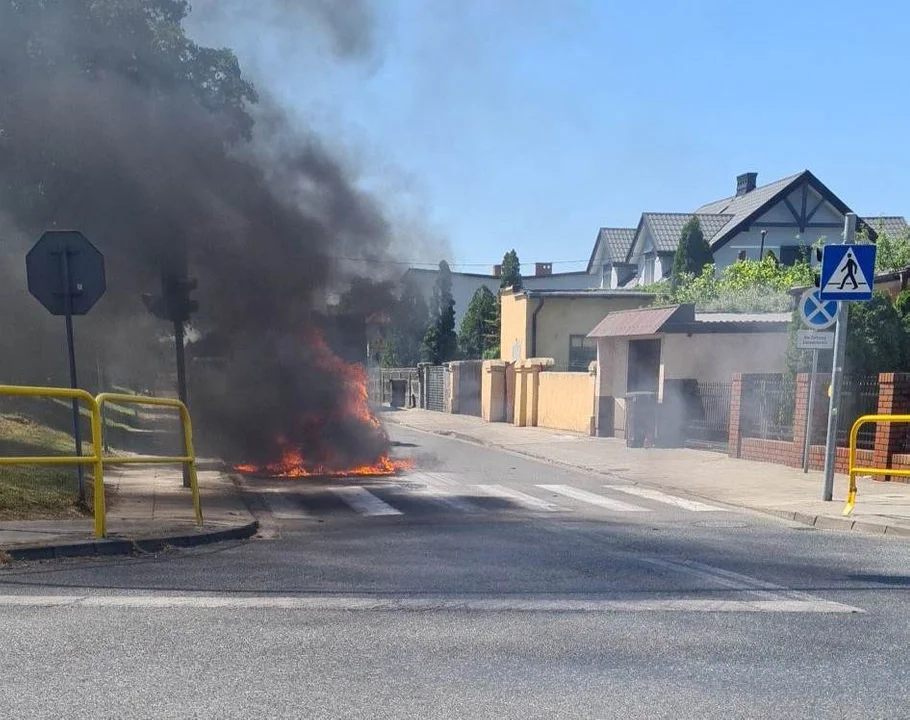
(354, 408)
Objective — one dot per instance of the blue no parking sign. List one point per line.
(817, 314)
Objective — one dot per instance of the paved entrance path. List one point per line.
(775, 489)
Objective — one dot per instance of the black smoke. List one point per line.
(113, 123)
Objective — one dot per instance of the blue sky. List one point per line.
(495, 124)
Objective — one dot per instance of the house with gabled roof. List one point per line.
(785, 217)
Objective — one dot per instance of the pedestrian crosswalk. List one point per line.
(438, 492)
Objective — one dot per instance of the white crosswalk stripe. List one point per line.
(363, 501)
(660, 497)
(439, 488)
(520, 498)
(282, 505)
(592, 499)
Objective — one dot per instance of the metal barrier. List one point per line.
(189, 459)
(97, 458)
(852, 467)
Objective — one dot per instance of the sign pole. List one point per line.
(810, 411)
(837, 372)
(181, 381)
(71, 349)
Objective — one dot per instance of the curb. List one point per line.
(99, 548)
(822, 522)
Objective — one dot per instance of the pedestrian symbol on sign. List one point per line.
(847, 271)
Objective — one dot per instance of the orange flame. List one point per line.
(355, 406)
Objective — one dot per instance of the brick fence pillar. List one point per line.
(734, 447)
(893, 399)
(800, 413)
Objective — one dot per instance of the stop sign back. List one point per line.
(62, 256)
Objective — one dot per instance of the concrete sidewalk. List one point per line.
(774, 489)
(147, 503)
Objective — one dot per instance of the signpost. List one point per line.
(818, 315)
(848, 272)
(66, 274)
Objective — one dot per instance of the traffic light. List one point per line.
(174, 302)
(819, 252)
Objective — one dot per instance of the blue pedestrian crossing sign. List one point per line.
(848, 272)
(817, 314)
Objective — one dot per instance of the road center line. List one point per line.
(423, 604)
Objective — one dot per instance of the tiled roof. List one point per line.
(630, 323)
(616, 242)
(892, 225)
(665, 228)
(739, 207)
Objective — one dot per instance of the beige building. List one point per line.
(645, 350)
(555, 323)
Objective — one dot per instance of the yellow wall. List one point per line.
(514, 327)
(565, 401)
(561, 317)
(557, 320)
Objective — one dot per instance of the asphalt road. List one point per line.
(479, 585)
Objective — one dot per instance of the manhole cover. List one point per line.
(721, 524)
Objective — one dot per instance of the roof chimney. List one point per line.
(497, 271)
(542, 269)
(745, 183)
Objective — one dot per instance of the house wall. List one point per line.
(515, 326)
(716, 356)
(562, 281)
(750, 239)
(565, 401)
(561, 317)
(611, 384)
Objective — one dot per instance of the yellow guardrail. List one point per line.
(189, 459)
(855, 470)
(97, 458)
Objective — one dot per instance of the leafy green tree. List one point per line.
(876, 338)
(892, 253)
(479, 333)
(440, 343)
(693, 252)
(510, 277)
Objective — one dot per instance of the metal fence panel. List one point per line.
(437, 390)
(708, 421)
(768, 404)
(859, 396)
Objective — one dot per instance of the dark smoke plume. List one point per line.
(114, 123)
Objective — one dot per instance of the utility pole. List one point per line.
(837, 372)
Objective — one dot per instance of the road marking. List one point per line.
(363, 501)
(591, 498)
(282, 507)
(528, 501)
(660, 497)
(439, 488)
(422, 604)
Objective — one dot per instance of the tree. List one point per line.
(693, 252)
(440, 343)
(510, 277)
(876, 337)
(479, 332)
